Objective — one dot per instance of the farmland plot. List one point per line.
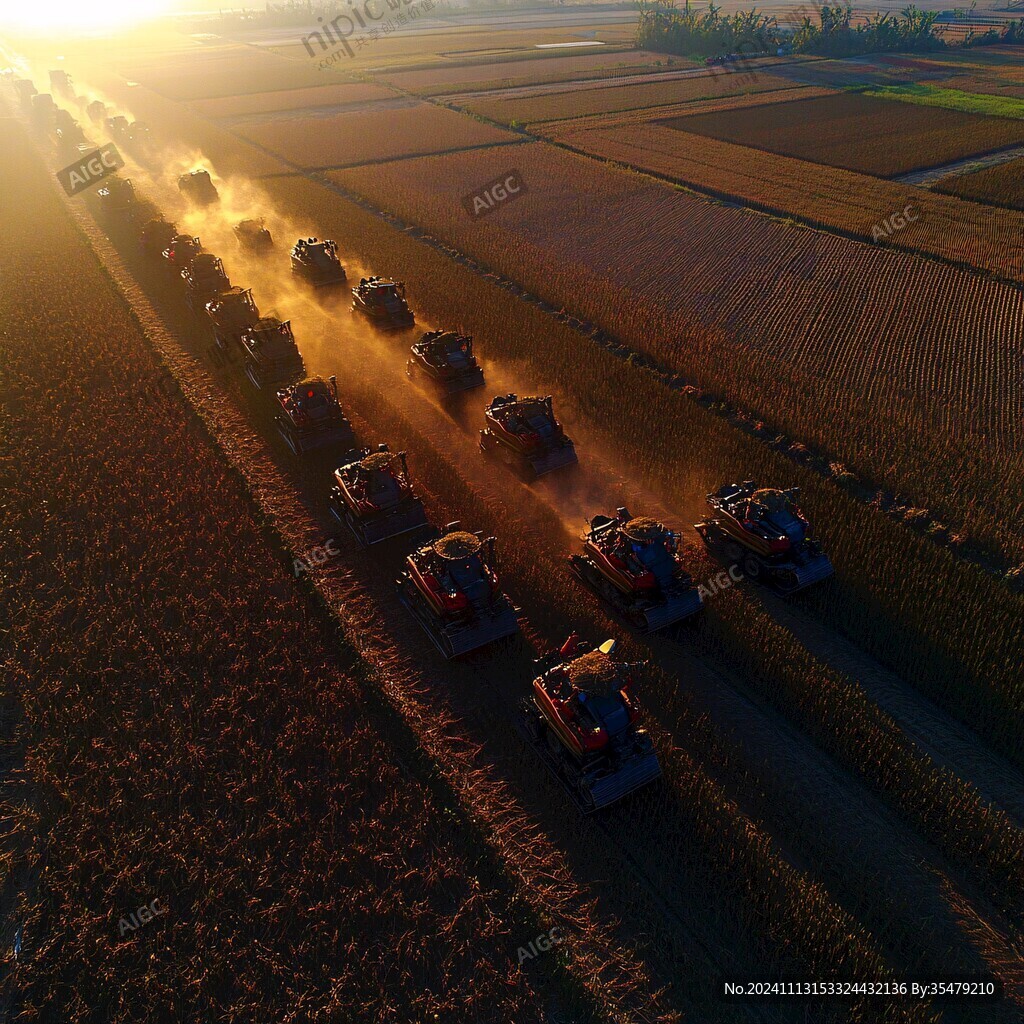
(360, 137)
(292, 99)
(1002, 185)
(857, 132)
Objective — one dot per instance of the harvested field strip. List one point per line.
(837, 200)
(856, 132)
(810, 336)
(121, 757)
(355, 138)
(292, 99)
(906, 619)
(1001, 186)
(208, 72)
(435, 81)
(636, 118)
(572, 103)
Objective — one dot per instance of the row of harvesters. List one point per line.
(581, 716)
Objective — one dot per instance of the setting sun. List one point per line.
(57, 15)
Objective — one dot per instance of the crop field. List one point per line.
(856, 132)
(222, 721)
(490, 74)
(582, 102)
(293, 99)
(822, 196)
(346, 139)
(1002, 185)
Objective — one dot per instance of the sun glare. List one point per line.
(78, 15)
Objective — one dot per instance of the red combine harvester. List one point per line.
(763, 531)
(204, 279)
(374, 496)
(447, 360)
(452, 588)
(634, 565)
(181, 252)
(156, 236)
(310, 415)
(383, 303)
(583, 721)
(198, 187)
(253, 236)
(524, 434)
(231, 313)
(271, 356)
(317, 262)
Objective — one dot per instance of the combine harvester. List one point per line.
(383, 303)
(156, 236)
(272, 358)
(446, 359)
(178, 256)
(764, 532)
(204, 279)
(525, 435)
(231, 314)
(253, 236)
(116, 202)
(198, 187)
(310, 416)
(317, 262)
(584, 723)
(634, 565)
(373, 495)
(452, 588)
(60, 82)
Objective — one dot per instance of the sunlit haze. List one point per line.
(57, 15)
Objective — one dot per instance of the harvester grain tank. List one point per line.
(446, 359)
(197, 186)
(156, 236)
(451, 586)
(524, 433)
(633, 563)
(764, 532)
(204, 279)
(181, 252)
(584, 721)
(374, 496)
(253, 236)
(231, 313)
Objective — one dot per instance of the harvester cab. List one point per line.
(181, 252)
(446, 359)
(452, 589)
(310, 415)
(204, 280)
(117, 127)
(764, 532)
(253, 236)
(317, 262)
(197, 186)
(383, 302)
(583, 721)
(231, 313)
(117, 200)
(373, 495)
(97, 111)
(524, 434)
(60, 81)
(272, 357)
(633, 563)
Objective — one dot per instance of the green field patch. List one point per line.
(951, 99)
